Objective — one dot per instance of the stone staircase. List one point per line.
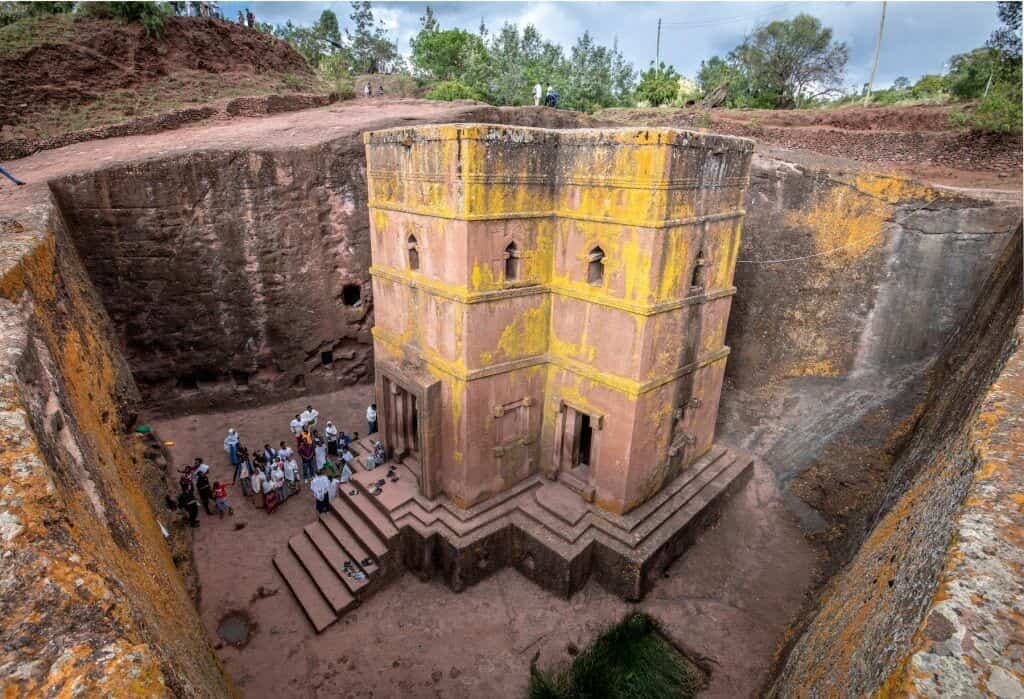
(338, 560)
(347, 553)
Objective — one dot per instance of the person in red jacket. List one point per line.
(307, 452)
(220, 497)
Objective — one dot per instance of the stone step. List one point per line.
(371, 510)
(343, 508)
(326, 580)
(337, 557)
(696, 490)
(363, 446)
(724, 483)
(577, 485)
(347, 540)
(313, 604)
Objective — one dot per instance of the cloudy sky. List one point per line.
(919, 36)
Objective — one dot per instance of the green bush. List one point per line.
(999, 112)
(151, 15)
(454, 90)
(929, 86)
(631, 660)
(294, 82)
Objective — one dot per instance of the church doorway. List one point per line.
(401, 429)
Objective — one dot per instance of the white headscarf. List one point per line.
(319, 486)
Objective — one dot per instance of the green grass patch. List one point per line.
(35, 31)
(630, 660)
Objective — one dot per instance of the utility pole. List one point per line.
(874, 64)
(657, 48)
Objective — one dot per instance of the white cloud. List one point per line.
(919, 36)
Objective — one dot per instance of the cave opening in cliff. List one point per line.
(351, 294)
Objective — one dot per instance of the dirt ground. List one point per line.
(64, 73)
(727, 602)
(917, 141)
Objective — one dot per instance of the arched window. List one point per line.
(511, 262)
(698, 271)
(595, 266)
(414, 253)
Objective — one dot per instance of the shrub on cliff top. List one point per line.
(630, 660)
(454, 90)
(150, 15)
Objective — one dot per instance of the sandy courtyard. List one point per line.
(726, 602)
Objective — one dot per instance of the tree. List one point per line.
(929, 86)
(507, 77)
(428, 23)
(443, 55)
(717, 71)
(790, 61)
(623, 75)
(971, 74)
(369, 45)
(590, 76)
(658, 86)
(315, 43)
(1006, 40)
(901, 83)
(326, 29)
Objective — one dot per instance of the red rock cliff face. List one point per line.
(240, 276)
(91, 601)
(232, 275)
(849, 283)
(870, 615)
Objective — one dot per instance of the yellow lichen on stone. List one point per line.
(845, 224)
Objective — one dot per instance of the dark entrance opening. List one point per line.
(586, 437)
(351, 294)
(327, 357)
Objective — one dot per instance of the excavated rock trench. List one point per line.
(240, 277)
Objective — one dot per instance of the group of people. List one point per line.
(550, 97)
(368, 89)
(248, 19)
(195, 479)
(269, 475)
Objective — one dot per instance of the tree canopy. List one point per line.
(503, 66)
(658, 85)
(781, 65)
(368, 43)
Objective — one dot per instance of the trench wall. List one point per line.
(225, 274)
(930, 604)
(236, 277)
(91, 600)
(849, 283)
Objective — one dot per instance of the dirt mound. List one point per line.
(62, 62)
(918, 140)
(922, 117)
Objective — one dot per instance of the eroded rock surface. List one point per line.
(91, 603)
(848, 285)
(876, 610)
